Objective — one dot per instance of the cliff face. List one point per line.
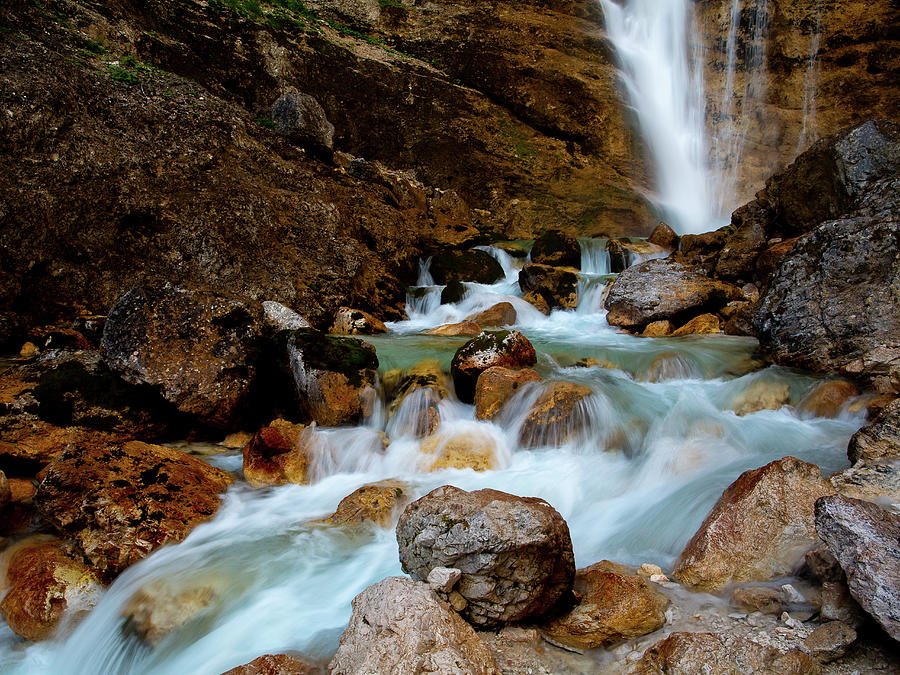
(803, 69)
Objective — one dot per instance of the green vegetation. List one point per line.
(128, 70)
(265, 122)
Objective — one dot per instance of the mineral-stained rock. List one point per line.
(375, 502)
(501, 314)
(45, 581)
(515, 553)
(491, 348)
(863, 537)
(276, 455)
(660, 328)
(300, 117)
(496, 386)
(875, 481)
(557, 249)
(880, 439)
(694, 654)
(474, 265)
(558, 286)
(613, 605)
(663, 289)
(464, 328)
(830, 641)
(120, 502)
(349, 321)
(828, 398)
(759, 529)
(704, 324)
(198, 347)
(460, 450)
(664, 236)
(401, 626)
(276, 664)
(538, 301)
(556, 416)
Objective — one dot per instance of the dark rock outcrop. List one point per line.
(474, 265)
(491, 348)
(300, 117)
(556, 285)
(880, 439)
(557, 249)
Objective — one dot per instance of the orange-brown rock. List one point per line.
(758, 599)
(460, 450)
(491, 348)
(501, 314)
(537, 301)
(664, 236)
(496, 386)
(45, 582)
(761, 395)
(276, 664)
(18, 514)
(759, 528)
(660, 328)
(613, 605)
(557, 285)
(276, 455)
(162, 606)
(349, 321)
(556, 416)
(669, 366)
(880, 439)
(463, 328)
(690, 653)
(770, 258)
(120, 502)
(375, 502)
(704, 324)
(828, 398)
(5, 491)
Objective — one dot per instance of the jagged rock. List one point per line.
(33, 442)
(880, 439)
(828, 398)
(704, 324)
(761, 395)
(664, 236)
(693, 653)
(278, 317)
(501, 314)
(830, 306)
(276, 455)
(558, 286)
(515, 553)
(349, 321)
(491, 348)
(496, 385)
(45, 582)
(556, 248)
(759, 529)
(473, 265)
(198, 347)
(276, 664)
(463, 328)
(556, 416)
(613, 605)
(758, 599)
(120, 502)
(335, 377)
(663, 289)
(460, 450)
(822, 564)
(737, 259)
(830, 641)
(660, 328)
(375, 502)
(863, 537)
(162, 606)
(300, 117)
(873, 481)
(401, 626)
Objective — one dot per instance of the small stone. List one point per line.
(792, 595)
(823, 565)
(659, 578)
(649, 569)
(758, 598)
(790, 621)
(443, 579)
(237, 440)
(457, 601)
(830, 641)
(29, 350)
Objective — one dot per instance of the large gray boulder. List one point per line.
(515, 553)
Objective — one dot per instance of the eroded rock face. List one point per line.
(515, 553)
(120, 502)
(496, 385)
(510, 349)
(300, 117)
(556, 416)
(556, 285)
(198, 347)
(863, 537)
(276, 455)
(759, 529)
(613, 605)
(880, 439)
(663, 289)
(401, 626)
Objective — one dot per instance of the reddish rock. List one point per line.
(664, 236)
(276, 455)
(491, 348)
(496, 386)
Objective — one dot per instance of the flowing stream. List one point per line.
(659, 443)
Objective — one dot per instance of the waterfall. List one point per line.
(809, 130)
(661, 69)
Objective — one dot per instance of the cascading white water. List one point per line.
(809, 131)
(661, 70)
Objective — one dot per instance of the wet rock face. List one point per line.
(276, 455)
(300, 117)
(515, 553)
(831, 306)
(474, 265)
(759, 529)
(197, 347)
(864, 539)
(496, 386)
(556, 285)
(401, 626)
(376, 503)
(120, 502)
(501, 314)
(880, 439)
(510, 349)
(557, 249)
(663, 289)
(558, 415)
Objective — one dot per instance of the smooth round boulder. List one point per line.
(515, 553)
(461, 329)
(664, 236)
(491, 348)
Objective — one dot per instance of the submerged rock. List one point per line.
(349, 321)
(460, 450)
(880, 439)
(761, 395)
(496, 385)
(556, 416)
(515, 553)
(556, 248)
(401, 626)
(828, 398)
(758, 529)
(491, 348)
(415, 410)
(162, 606)
(558, 286)
(473, 265)
(276, 455)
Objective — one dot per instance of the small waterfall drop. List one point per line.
(809, 130)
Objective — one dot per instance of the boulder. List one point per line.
(556, 248)
(669, 366)
(623, 253)
(32, 443)
(496, 385)
(120, 502)
(276, 455)
(558, 286)
(695, 247)
(759, 599)
(415, 410)
(537, 301)
(875, 481)
(17, 513)
(737, 259)
(515, 553)
(663, 289)
(473, 449)
(197, 347)
(491, 348)
(300, 117)
(828, 398)
(473, 265)
(759, 395)
(463, 328)
(556, 416)
(162, 606)
(660, 328)
(349, 321)
(758, 529)
(830, 641)
(401, 626)
(453, 292)
(335, 377)
(863, 537)
(276, 664)
(831, 307)
(45, 582)
(880, 439)
(613, 605)
(374, 502)
(279, 317)
(694, 653)
(664, 236)
(704, 324)
(501, 314)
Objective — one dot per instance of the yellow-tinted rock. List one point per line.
(669, 366)
(501, 314)
(29, 350)
(761, 395)
(537, 301)
(464, 450)
(464, 328)
(496, 385)
(555, 416)
(276, 456)
(237, 440)
(827, 398)
(705, 324)
(659, 328)
(161, 606)
(376, 502)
